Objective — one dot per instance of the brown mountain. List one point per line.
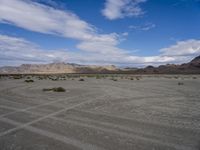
(193, 67)
(54, 68)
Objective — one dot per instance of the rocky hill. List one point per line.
(55, 68)
(193, 67)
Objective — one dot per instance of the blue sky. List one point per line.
(101, 32)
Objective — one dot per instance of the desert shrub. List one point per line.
(180, 83)
(17, 77)
(194, 77)
(98, 77)
(46, 90)
(131, 79)
(113, 79)
(28, 77)
(176, 77)
(29, 81)
(57, 89)
(81, 79)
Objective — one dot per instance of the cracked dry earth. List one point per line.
(154, 113)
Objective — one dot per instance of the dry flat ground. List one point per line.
(153, 113)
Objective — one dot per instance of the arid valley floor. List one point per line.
(160, 112)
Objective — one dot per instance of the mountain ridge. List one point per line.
(192, 67)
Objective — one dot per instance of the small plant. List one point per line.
(46, 90)
(98, 77)
(81, 79)
(29, 81)
(137, 78)
(113, 79)
(194, 77)
(28, 77)
(57, 89)
(17, 77)
(180, 83)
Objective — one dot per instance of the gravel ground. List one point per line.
(152, 113)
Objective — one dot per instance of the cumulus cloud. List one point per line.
(145, 27)
(18, 50)
(48, 20)
(115, 9)
(94, 48)
(183, 48)
(15, 51)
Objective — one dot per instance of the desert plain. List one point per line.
(149, 112)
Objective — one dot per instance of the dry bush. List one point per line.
(57, 89)
(180, 83)
(29, 81)
(17, 77)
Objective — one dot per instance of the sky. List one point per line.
(133, 33)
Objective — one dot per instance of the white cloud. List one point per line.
(115, 9)
(40, 18)
(145, 27)
(15, 51)
(44, 19)
(125, 34)
(95, 48)
(183, 48)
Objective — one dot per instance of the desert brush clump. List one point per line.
(81, 79)
(113, 79)
(180, 83)
(29, 81)
(56, 89)
(17, 77)
(28, 77)
(98, 77)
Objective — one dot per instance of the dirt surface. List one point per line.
(152, 113)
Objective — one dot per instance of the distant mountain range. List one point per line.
(193, 67)
(54, 68)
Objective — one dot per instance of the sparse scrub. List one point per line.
(57, 89)
(17, 77)
(98, 77)
(113, 79)
(180, 83)
(28, 77)
(137, 78)
(29, 81)
(176, 77)
(81, 79)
